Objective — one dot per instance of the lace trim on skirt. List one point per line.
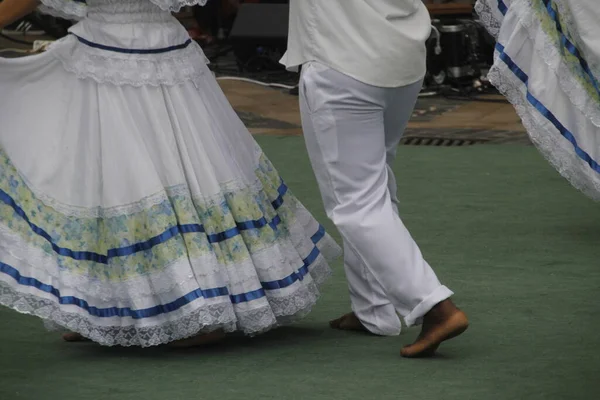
(172, 68)
(277, 312)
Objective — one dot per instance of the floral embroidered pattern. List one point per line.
(119, 247)
(572, 57)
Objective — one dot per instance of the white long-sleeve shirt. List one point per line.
(378, 42)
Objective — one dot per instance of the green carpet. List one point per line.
(515, 242)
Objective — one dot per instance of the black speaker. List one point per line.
(259, 36)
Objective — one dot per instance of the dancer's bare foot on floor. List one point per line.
(445, 321)
(74, 337)
(199, 340)
(348, 322)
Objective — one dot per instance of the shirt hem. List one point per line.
(294, 67)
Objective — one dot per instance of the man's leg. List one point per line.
(345, 135)
(371, 310)
(397, 114)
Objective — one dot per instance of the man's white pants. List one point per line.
(352, 131)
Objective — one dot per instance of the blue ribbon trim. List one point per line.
(287, 281)
(155, 241)
(112, 311)
(174, 305)
(566, 43)
(564, 40)
(502, 7)
(133, 51)
(519, 73)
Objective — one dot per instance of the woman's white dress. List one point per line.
(135, 207)
(547, 63)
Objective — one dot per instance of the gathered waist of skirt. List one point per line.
(169, 58)
(141, 37)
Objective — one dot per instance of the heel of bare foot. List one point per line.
(444, 322)
(348, 322)
(74, 337)
(199, 340)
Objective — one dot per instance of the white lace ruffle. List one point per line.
(70, 9)
(554, 147)
(183, 323)
(176, 5)
(546, 49)
(203, 320)
(66, 9)
(173, 68)
(278, 312)
(489, 17)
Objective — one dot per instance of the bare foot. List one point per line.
(348, 322)
(74, 337)
(199, 340)
(445, 321)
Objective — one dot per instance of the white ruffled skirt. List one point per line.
(547, 63)
(139, 215)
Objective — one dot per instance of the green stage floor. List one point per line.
(515, 242)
